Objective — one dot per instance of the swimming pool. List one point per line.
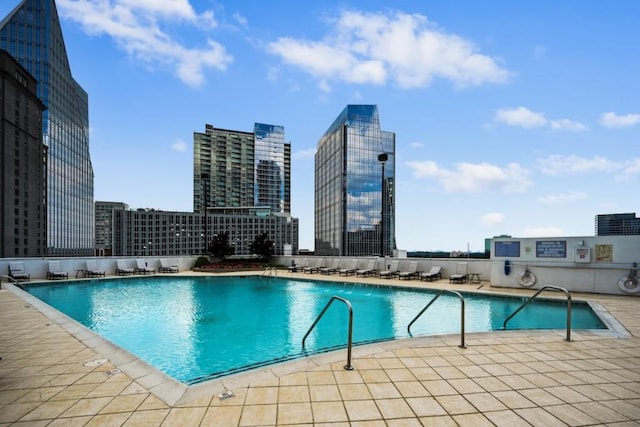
(199, 328)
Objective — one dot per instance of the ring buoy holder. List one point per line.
(526, 278)
(629, 283)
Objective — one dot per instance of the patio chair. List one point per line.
(122, 269)
(348, 267)
(411, 272)
(141, 267)
(166, 268)
(55, 271)
(313, 265)
(92, 269)
(433, 274)
(331, 268)
(294, 268)
(368, 269)
(391, 272)
(461, 275)
(17, 273)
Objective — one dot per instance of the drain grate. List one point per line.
(226, 395)
(94, 363)
(112, 372)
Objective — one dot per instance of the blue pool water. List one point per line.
(199, 328)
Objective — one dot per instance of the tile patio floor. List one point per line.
(510, 378)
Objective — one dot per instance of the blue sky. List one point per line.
(519, 118)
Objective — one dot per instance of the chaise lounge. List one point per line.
(55, 271)
(461, 275)
(17, 273)
(411, 272)
(92, 269)
(433, 274)
(166, 268)
(122, 269)
(141, 268)
(391, 272)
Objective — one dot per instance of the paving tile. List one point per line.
(571, 415)
(439, 387)
(329, 412)
(294, 413)
(394, 408)
(317, 378)
(261, 395)
(538, 417)
(425, 406)
(567, 394)
(258, 415)
(513, 399)
(476, 420)
(384, 390)
(374, 376)
(320, 393)
(506, 418)
(465, 386)
(49, 410)
(456, 404)
(439, 421)
(600, 412)
(127, 403)
(151, 418)
(359, 410)
(485, 402)
(354, 391)
(108, 420)
(87, 406)
(291, 394)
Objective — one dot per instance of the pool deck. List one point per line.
(55, 372)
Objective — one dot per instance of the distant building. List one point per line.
(104, 226)
(621, 224)
(31, 33)
(355, 186)
(23, 164)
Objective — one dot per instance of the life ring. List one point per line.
(526, 278)
(629, 284)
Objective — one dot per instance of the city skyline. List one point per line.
(520, 120)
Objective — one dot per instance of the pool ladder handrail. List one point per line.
(11, 280)
(532, 297)
(440, 292)
(270, 270)
(348, 366)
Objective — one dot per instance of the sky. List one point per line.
(516, 118)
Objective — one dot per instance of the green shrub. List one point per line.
(203, 260)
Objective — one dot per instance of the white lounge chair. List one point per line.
(348, 267)
(367, 269)
(166, 268)
(391, 272)
(141, 267)
(461, 275)
(294, 268)
(331, 268)
(314, 265)
(411, 272)
(55, 271)
(92, 269)
(16, 271)
(122, 269)
(433, 274)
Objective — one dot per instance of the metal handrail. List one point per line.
(555, 288)
(440, 292)
(270, 270)
(348, 366)
(12, 280)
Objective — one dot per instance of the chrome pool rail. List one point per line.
(348, 366)
(532, 297)
(440, 292)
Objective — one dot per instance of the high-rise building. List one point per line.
(244, 180)
(242, 169)
(621, 224)
(23, 163)
(31, 33)
(355, 186)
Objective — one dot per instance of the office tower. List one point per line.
(355, 186)
(31, 33)
(23, 163)
(621, 224)
(242, 169)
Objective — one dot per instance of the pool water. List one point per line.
(200, 328)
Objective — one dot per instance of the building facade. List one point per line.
(31, 33)
(355, 186)
(622, 224)
(105, 230)
(23, 164)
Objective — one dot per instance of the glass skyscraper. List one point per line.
(355, 186)
(31, 33)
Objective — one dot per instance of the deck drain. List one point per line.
(112, 372)
(94, 363)
(226, 395)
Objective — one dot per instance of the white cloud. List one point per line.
(555, 199)
(493, 218)
(566, 124)
(474, 178)
(374, 48)
(305, 154)
(417, 145)
(612, 120)
(135, 26)
(520, 116)
(179, 146)
(557, 164)
(543, 231)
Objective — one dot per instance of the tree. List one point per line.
(262, 246)
(220, 247)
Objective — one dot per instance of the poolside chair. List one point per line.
(122, 269)
(294, 268)
(391, 272)
(92, 269)
(313, 265)
(461, 275)
(431, 275)
(331, 268)
(166, 268)
(55, 271)
(141, 267)
(367, 269)
(348, 267)
(411, 272)
(17, 273)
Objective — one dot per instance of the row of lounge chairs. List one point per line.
(56, 272)
(366, 267)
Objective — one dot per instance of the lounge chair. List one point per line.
(295, 267)
(141, 267)
(313, 265)
(92, 269)
(348, 267)
(17, 273)
(461, 275)
(367, 269)
(166, 268)
(122, 269)
(431, 275)
(56, 272)
(411, 272)
(391, 272)
(331, 268)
